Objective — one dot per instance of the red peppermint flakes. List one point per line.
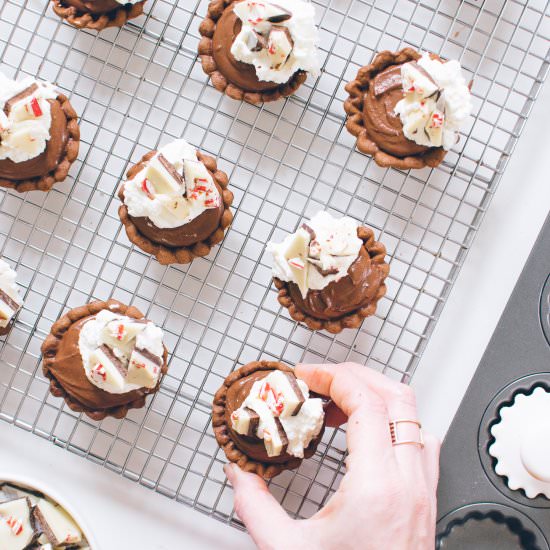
(16, 525)
(35, 106)
(211, 202)
(120, 332)
(148, 189)
(100, 371)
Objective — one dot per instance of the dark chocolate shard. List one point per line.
(441, 102)
(114, 359)
(261, 42)
(324, 272)
(309, 230)
(388, 80)
(254, 421)
(7, 493)
(296, 389)
(285, 15)
(40, 520)
(171, 169)
(149, 355)
(11, 303)
(17, 98)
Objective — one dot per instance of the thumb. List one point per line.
(268, 524)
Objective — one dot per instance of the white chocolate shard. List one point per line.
(279, 46)
(107, 370)
(416, 80)
(289, 395)
(434, 128)
(197, 178)
(296, 256)
(245, 421)
(164, 177)
(16, 525)
(144, 368)
(58, 526)
(124, 330)
(176, 208)
(275, 439)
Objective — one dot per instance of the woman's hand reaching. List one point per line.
(387, 498)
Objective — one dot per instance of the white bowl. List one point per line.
(27, 482)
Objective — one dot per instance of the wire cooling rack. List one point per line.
(142, 85)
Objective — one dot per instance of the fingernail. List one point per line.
(229, 470)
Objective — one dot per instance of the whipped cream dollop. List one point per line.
(436, 103)
(320, 252)
(277, 38)
(522, 443)
(173, 189)
(278, 410)
(25, 118)
(121, 354)
(10, 300)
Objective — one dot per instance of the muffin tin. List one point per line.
(516, 362)
(141, 86)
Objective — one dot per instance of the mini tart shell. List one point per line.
(223, 433)
(47, 181)
(355, 123)
(49, 352)
(183, 254)
(115, 18)
(219, 81)
(377, 252)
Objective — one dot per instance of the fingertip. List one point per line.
(229, 470)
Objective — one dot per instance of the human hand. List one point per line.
(387, 498)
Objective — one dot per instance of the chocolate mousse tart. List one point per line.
(265, 420)
(330, 273)
(175, 203)
(104, 358)
(407, 108)
(39, 135)
(10, 300)
(259, 51)
(97, 14)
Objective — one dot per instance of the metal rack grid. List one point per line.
(142, 85)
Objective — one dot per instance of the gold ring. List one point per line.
(395, 439)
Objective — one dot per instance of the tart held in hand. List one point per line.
(265, 419)
(104, 359)
(97, 14)
(259, 51)
(406, 109)
(175, 203)
(330, 273)
(39, 135)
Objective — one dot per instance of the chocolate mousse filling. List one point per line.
(343, 303)
(63, 366)
(194, 239)
(249, 452)
(96, 14)
(236, 79)
(51, 166)
(373, 96)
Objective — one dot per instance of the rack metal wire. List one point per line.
(142, 85)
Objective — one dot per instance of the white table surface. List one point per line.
(125, 515)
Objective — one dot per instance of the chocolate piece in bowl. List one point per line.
(94, 359)
(406, 108)
(10, 300)
(39, 135)
(265, 419)
(259, 51)
(97, 14)
(175, 203)
(29, 520)
(330, 273)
